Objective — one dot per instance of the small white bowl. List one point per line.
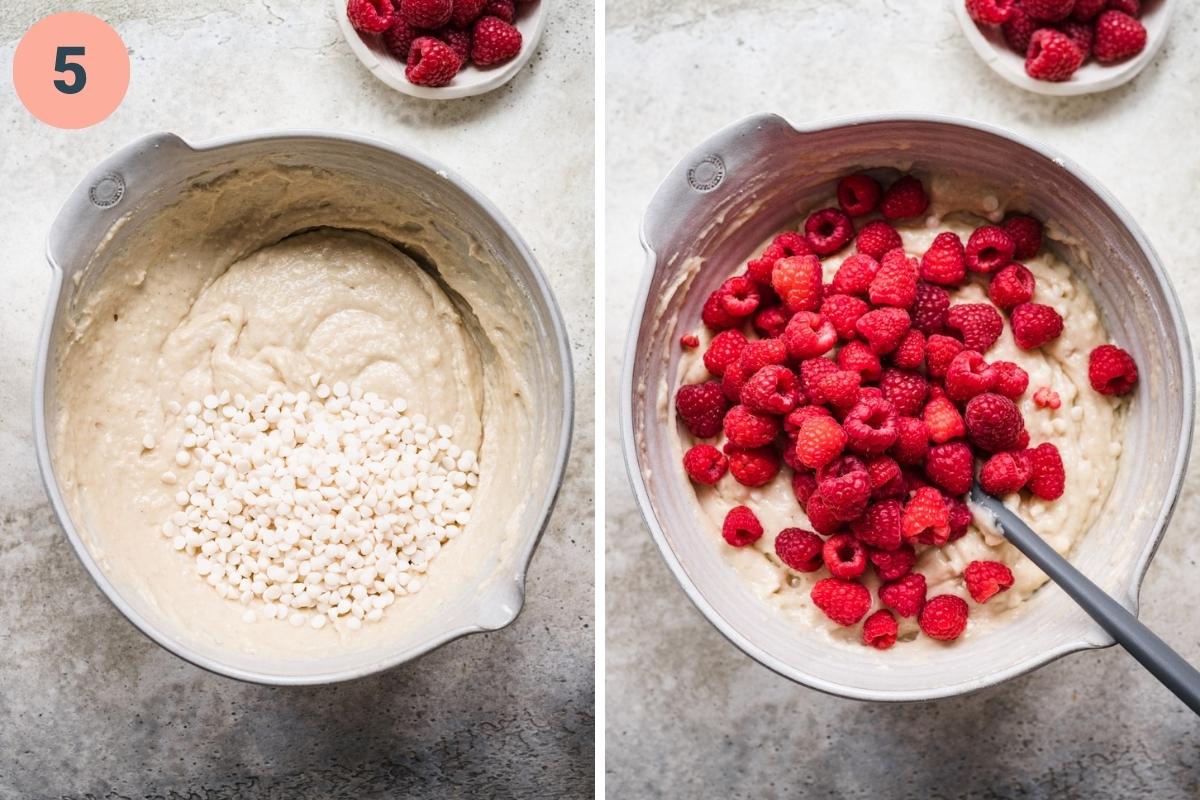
(472, 80)
(1092, 77)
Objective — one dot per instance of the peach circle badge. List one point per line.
(71, 70)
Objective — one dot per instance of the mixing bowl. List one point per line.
(320, 180)
(754, 178)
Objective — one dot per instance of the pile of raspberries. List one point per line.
(1058, 36)
(436, 38)
(876, 392)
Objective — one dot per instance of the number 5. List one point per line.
(62, 65)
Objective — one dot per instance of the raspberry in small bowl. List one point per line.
(443, 49)
(1001, 316)
(1065, 47)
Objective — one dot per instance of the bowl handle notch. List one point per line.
(707, 178)
(107, 193)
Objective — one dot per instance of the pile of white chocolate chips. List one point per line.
(318, 508)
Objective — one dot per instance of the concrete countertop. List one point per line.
(688, 714)
(90, 708)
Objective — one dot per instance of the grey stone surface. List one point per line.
(89, 708)
(688, 715)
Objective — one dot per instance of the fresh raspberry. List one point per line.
(910, 353)
(705, 464)
(1052, 56)
(371, 16)
(465, 12)
(838, 389)
(1049, 477)
(905, 198)
(880, 526)
(960, 519)
(793, 421)
(859, 357)
(905, 595)
(944, 617)
(714, 315)
(858, 194)
(828, 230)
(1011, 286)
(877, 238)
(985, 579)
(689, 341)
(896, 282)
(797, 281)
(431, 62)
(1034, 325)
(990, 12)
(1046, 397)
(771, 321)
(951, 467)
(701, 407)
(880, 629)
(926, 517)
(1026, 235)
(844, 602)
(760, 353)
(723, 350)
(989, 249)
(843, 312)
(939, 352)
(745, 427)
(1019, 29)
(1131, 7)
(785, 245)
(945, 262)
(855, 274)
(1087, 10)
(978, 324)
(845, 557)
(1011, 380)
(994, 422)
(799, 549)
(929, 309)
(891, 565)
(772, 390)
(1005, 473)
(804, 484)
(870, 426)
(883, 328)
(427, 14)
(821, 516)
(904, 390)
(1118, 36)
(493, 41)
(845, 487)
(753, 466)
(398, 39)
(809, 335)
(819, 441)
(1111, 370)
(912, 441)
(812, 370)
(739, 296)
(883, 471)
(504, 9)
(1048, 10)
(741, 527)
(942, 420)
(1081, 33)
(968, 375)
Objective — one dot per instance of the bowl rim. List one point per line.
(491, 78)
(524, 553)
(1116, 75)
(638, 483)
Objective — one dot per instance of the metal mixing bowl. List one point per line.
(750, 180)
(130, 186)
